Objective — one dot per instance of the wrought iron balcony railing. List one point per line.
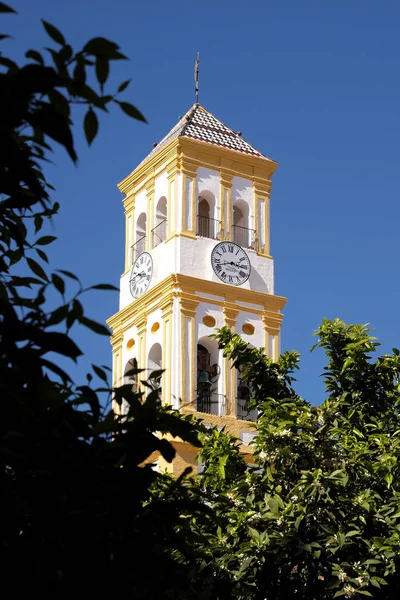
(159, 233)
(138, 248)
(244, 236)
(210, 402)
(209, 228)
(242, 410)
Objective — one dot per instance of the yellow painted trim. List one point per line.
(226, 211)
(184, 192)
(150, 211)
(199, 154)
(171, 204)
(188, 307)
(272, 305)
(128, 258)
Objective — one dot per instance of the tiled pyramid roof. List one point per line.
(199, 124)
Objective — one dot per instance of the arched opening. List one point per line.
(243, 397)
(130, 378)
(140, 243)
(154, 364)
(207, 226)
(159, 233)
(241, 234)
(208, 370)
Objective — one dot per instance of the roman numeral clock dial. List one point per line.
(141, 274)
(230, 263)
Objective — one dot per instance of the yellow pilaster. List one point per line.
(189, 350)
(189, 173)
(116, 343)
(226, 204)
(230, 313)
(262, 189)
(150, 212)
(141, 324)
(166, 307)
(129, 205)
(172, 172)
(271, 329)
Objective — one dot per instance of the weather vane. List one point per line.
(196, 77)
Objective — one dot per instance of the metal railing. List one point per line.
(242, 410)
(244, 236)
(159, 233)
(138, 248)
(210, 402)
(209, 228)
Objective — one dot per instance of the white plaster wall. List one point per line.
(193, 257)
(257, 338)
(195, 260)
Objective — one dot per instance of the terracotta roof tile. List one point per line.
(199, 124)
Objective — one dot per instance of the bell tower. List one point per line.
(197, 257)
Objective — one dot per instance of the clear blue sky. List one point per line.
(313, 85)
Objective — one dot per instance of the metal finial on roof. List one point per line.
(196, 77)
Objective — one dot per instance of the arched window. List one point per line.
(241, 234)
(140, 237)
(159, 233)
(208, 371)
(154, 363)
(243, 396)
(207, 226)
(129, 378)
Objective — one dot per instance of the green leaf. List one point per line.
(91, 125)
(35, 56)
(36, 268)
(42, 255)
(131, 111)
(124, 85)
(45, 240)
(53, 341)
(68, 274)
(38, 222)
(54, 125)
(94, 326)
(80, 71)
(102, 69)
(54, 33)
(4, 8)
(100, 373)
(58, 283)
(104, 286)
(56, 369)
(58, 315)
(100, 46)
(167, 450)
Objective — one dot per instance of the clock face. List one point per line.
(230, 263)
(141, 274)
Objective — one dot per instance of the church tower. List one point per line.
(197, 257)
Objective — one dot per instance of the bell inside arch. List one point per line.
(203, 377)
